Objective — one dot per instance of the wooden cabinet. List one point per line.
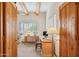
(9, 29)
(30, 39)
(47, 50)
(69, 33)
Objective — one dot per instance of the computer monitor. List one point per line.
(45, 33)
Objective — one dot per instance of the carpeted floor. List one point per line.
(27, 50)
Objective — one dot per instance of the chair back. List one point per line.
(37, 38)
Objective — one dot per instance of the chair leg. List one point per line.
(36, 48)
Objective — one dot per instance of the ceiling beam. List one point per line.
(24, 7)
(37, 11)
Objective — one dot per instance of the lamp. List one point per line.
(53, 31)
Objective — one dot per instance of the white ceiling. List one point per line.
(32, 5)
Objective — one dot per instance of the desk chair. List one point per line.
(38, 44)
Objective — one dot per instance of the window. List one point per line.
(28, 27)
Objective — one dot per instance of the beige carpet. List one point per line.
(27, 50)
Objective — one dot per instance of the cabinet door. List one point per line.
(10, 26)
(68, 26)
(63, 38)
(1, 29)
(71, 26)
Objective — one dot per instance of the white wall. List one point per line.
(40, 20)
(52, 20)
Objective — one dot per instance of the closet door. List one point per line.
(10, 26)
(1, 29)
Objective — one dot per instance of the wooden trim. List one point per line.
(64, 4)
(2, 25)
(4, 31)
(1, 29)
(77, 27)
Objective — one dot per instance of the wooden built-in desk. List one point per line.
(47, 50)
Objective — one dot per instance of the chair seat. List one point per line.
(38, 42)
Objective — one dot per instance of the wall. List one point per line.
(52, 20)
(40, 20)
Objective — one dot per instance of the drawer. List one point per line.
(46, 45)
